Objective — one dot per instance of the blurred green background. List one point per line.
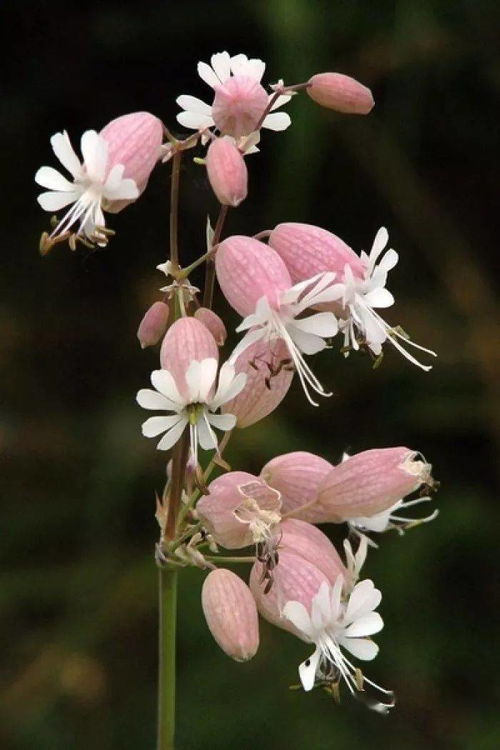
(78, 589)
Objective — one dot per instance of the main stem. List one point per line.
(167, 601)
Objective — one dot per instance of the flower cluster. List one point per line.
(296, 288)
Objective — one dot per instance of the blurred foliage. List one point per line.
(78, 593)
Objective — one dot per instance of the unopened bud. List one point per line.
(214, 324)
(153, 325)
(341, 93)
(227, 172)
(298, 477)
(231, 614)
(370, 482)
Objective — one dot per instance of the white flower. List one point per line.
(360, 297)
(239, 78)
(196, 410)
(334, 624)
(301, 335)
(93, 185)
(354, 561)
(387, 519)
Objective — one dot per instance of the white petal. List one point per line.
(50, 178)
(164, 382)
(126, 190)
(221, 64)
(52, 201)
(61, 145)
(361, 648)
(200, 377)
(364, 598)
(222, 422)
(307, 670)
(194, 120)
(380, 241)
(322, 324)
(241, 65)
(172, 436)
(365, 625)
(250, 338)
(280, 101)
(229, 385)
(156, 425)
(298, 615)
(193, 104)
(320, 608)
(207, 74)
(307, 343)
(206, 437)
(149, 399)
(389, 260)
(336, 597)
(379, 298)
(95, 155)
(277, 121)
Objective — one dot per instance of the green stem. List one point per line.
(174, 209)
(208, 291)
(222, 559)
(166, 667)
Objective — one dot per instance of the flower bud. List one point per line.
(298, 477)
(370, 482)
(214, 324)
(133, 140)
(269, 372)
(307, 541)
(248, 270)
(186, 340)
(239, 510)
(153, 325)
(231, 614)
(308, 250)
(341, 93)
(238, 105)
(293, 579)
(227, 172)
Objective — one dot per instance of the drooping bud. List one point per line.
(370, 482)
(238, 105)
(153, 325)
(269, 372)
(298, 477)
(308, 250)
(341, 93)
(240, 510)
(214, 324)
(186, 340)
(227, 172)
(307, 541)
(294, 579)
(248, 270)
(231, 614)
(134, 140)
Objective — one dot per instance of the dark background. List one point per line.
(78, 590)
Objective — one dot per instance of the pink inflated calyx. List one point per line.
(153, 325)
(240, 510)
(231, 614)
(341, 93)
(298, 477)
(371, 482)
(133, 140)
(248, 270)
(238, 105)
(269, 372)
(227, 172)
(214, 323)
(308, 250)
(186, 340)
(293, 579)
(309, 542)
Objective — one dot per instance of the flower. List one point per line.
(195, 409)
(387, 519)
(334, 624)
(239, 102)
(256, 283)
(93, 184)
(361, 296)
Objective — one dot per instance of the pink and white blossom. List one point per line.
(333, 624)
(239, 98)
(256, 282)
